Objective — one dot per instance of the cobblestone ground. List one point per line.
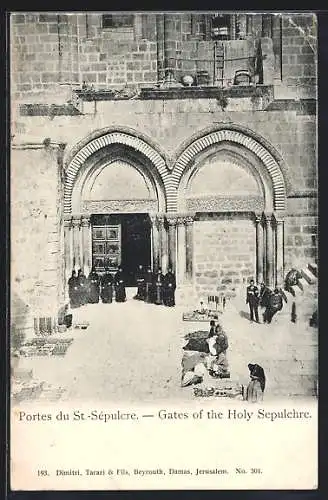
(132, 352)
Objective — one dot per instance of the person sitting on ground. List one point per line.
(256, 386)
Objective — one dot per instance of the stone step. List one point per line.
(313, 267)
(308, 276)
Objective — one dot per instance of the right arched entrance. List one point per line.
(237, 203)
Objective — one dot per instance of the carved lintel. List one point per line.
(172, 220)
(85, 221)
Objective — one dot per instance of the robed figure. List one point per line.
(169, 287)
(149, 278)
(256, 386)
(119, 282)
(158, 287)
(73, 290)
(82, 288)
(140, 279)
(275, 304)
(94, 283)
(106, 292)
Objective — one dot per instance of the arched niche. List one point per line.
(117, 179)
(224, 178)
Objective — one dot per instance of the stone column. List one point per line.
(163, 243)
(241, 23)
(155, 242)
(172, 38)
(232, 34)
(249, 25)
(279, 252)
(276, 42)
(259, 249)
(172, 223)
(76, 227)
(189, 247)
(86, 243)
(266, 25)
(160, 46)
(68, 249)
(269, 251)
(181, 253)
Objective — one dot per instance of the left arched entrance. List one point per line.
(114, 185)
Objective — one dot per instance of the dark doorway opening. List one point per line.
(135, 240)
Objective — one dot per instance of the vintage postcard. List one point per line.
(164, 299)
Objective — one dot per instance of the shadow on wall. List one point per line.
(18, 321)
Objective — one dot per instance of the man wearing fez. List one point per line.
(106, 293)
(169, 288)
(252, 299)
(158, 287)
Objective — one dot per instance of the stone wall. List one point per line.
(299, 51)
(35, 233)
(224, 253)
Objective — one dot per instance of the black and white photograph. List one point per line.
(164, 209)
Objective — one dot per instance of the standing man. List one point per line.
(169, 288)
(94, 281)
(158, 287)
(149, 286)
(83, 287)
(73, 290)
(106, 293)
(120, 295)
(140, 279)
(252, 299)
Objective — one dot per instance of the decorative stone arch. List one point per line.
(79, 156)
(243, 137)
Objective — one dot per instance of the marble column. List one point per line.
(189, 220)
(172, 36)
(279, 252)
(155, 242)
(269, 251)
(76, 228)
(86, 238)
(249, 25)
(181, 253)
(172, 223)
(68, 250)
(163, 243)
(259, 248)
(241, 24)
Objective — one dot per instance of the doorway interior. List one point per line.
(133, 243)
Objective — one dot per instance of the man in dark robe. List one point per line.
(94, 282)
(252, 299)
(275, 304)
(149, 278)
(120, 295)
(169, 286)
(158, 287)
(106, 293)
(73, 290)
(265, 293)
(83, 288)
(140, 279)
(255, 388)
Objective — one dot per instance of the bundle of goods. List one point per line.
(83, 325)
(223, 390)
(45, 347)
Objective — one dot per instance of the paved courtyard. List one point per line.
(132, 351)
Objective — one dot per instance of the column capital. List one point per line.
(76, 221)
(172, 220)
(279, 217)
(268, 217)
(189, 219)
(258, 216)
(85, 221)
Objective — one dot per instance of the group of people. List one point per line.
(156, 288)
(88, 290)
(270, 300)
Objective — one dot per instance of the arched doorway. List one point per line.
(113, 187)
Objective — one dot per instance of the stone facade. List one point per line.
(165, 138)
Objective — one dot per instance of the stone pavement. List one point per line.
(132, 351)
